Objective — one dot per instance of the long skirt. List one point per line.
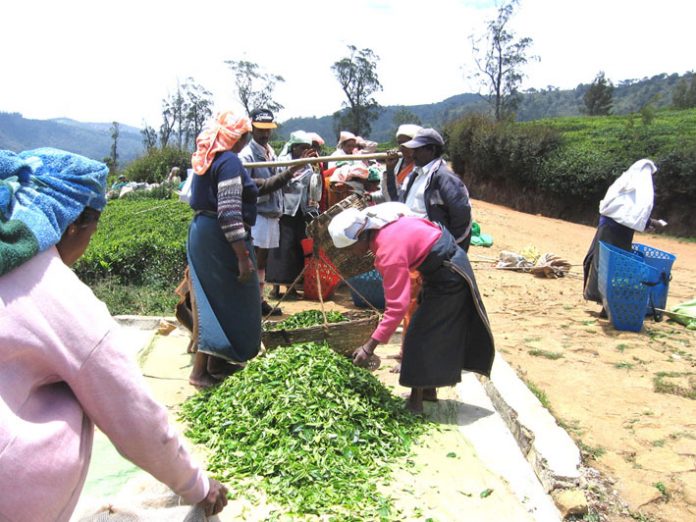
(228, 312)
(610, 232)
(286, 262)
(449, 332)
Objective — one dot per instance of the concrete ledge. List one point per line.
(551, 452)
(143, 322)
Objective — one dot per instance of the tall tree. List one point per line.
(404, 116)
(198, 108)
(254, 87)
(167, 127)
(599, 96)
(499, 57)
(684, 93)
(357, 75)
(115, 132)
(149, 137)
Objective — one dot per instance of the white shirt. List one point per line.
(415, 200)
(629, 200)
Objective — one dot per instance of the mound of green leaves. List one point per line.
(306, 319)
(317, 432)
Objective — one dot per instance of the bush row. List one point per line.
(140, 241)
(572, 161)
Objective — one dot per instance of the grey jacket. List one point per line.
(296, 193)
(268, 205)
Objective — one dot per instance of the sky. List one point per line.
(97, 61)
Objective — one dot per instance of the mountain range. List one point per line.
(94, 139)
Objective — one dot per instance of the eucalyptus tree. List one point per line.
(357, 75)
(599, 96)
(499, 57)
(254, 86)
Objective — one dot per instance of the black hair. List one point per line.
(87, 216)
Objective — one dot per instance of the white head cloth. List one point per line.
(629, 200)
(408, 129)
(345, 227)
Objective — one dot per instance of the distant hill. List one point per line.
(629, 96)
(94, 139)
(89, 139)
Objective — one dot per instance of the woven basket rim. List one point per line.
(358, 316)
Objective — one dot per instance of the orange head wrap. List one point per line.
(220, 134)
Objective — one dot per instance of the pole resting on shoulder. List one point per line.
(319, 159)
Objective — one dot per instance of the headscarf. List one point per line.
(220, 133)
(42, 191)
(345, 136)
(408, 129)
(629, 200)
(316, 138)
(296, 137)
(346, 226)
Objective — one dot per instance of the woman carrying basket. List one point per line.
(450, 331)
(626, 207)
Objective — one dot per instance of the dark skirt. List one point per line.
(286, 262)
(610, 232)
(228, 312)
(449, 332)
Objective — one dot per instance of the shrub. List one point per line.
(156, 165)
(139, 242)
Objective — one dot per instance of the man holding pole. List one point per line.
(266, 231)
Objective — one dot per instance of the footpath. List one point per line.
(500, 456)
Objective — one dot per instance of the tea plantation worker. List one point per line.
(347, 143)
(626, 207)
(220, 252)
(450, 331)
(63, 361)
(301, 197)
(397, 168)
(433, 191)
(266, 231)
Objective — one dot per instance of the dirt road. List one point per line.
(621, 395)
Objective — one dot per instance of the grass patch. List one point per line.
(593, 452)
(622, 347)
(663, 382)
(623, 365)
(130, 299)
(539, 394)
(658, 443)
(545, 354)
(662, 489)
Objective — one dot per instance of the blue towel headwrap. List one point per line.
(42, 191)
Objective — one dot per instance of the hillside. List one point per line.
(89, 139)
(94, 139)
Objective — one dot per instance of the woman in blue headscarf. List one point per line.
(63, 366)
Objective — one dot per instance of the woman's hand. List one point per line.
(361, 356)
(391, 159)
(246, 269)
(216, 499)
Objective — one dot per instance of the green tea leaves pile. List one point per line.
(318, 432)
(306, 319)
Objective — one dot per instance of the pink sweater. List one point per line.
(399, 248)
(62, 370)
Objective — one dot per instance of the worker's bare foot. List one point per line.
(414, 403)
(220, 369)
(430, 394)
(396, 368)
(203, 381)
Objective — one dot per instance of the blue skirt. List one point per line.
(228, 312)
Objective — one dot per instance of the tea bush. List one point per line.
(140, 243)
(156, 165)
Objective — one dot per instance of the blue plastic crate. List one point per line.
(370, 287)
(623, 282)
(662, 262)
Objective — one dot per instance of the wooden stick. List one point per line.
(319, 159)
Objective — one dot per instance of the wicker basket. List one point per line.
(348, 265)
(344, 337)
